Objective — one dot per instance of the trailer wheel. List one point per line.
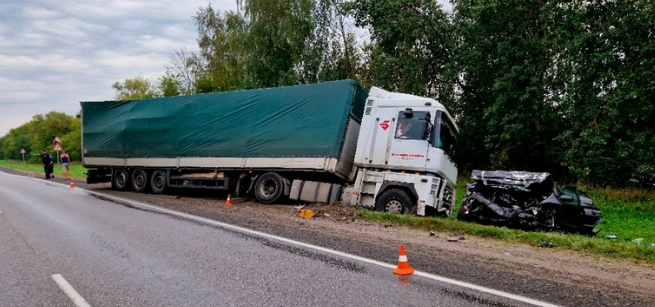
(158, 182)
(269, 188)
(120, 180)
(140, 180)
(394, 201)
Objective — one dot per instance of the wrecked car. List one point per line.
(529, 201)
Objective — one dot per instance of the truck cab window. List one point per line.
(411, 126)
(444, 135)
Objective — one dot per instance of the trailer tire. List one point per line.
(394, 201)
(120, 179)
(158, 182)
(269, 188)
(140, 180)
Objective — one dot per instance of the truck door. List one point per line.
(409, 143)
(379, 138)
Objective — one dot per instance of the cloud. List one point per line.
(56, 53)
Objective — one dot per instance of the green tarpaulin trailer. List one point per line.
(303, 127)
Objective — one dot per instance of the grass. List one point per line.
(76, 169)
(627, 213)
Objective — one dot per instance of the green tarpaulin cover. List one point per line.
(292, 121)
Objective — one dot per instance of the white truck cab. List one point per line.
(403, 153)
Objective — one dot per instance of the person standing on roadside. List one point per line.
(52, 166)
(45, 158)
(65, 163)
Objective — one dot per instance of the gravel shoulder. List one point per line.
(556, 276)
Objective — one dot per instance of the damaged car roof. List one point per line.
(509, 178)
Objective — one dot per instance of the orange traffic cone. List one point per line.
(229, 200)
(72, 184)
(403, 265)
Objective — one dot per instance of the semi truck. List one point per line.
(319, 142)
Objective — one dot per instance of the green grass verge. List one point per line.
(77, 171)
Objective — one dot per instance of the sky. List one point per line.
(54, 54)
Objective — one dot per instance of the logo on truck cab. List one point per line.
(385, 125)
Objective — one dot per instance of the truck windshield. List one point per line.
(444, 135)
(412, 126)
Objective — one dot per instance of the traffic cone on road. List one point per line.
(72, 184)
(229, 200)
(403, 265)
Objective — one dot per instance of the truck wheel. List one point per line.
(140, 180)
(269, 188)
(120, 180)
(158, 182)
(394, 201)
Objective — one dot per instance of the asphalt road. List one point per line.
(66, 247)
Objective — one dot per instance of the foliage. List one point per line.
(220, 64)
(170, 85)
(410, 45)
(39, 134)
(605, 74)
(135, 88)
(505, 112)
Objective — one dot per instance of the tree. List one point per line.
(39, 133)
(507, 114)
(221, 63)
(410, 45)
(135, 88)
(170, 85)
(184, 66)
(604, 74)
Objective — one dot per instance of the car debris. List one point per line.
(611, 237)
(529, 201)
(547, 244)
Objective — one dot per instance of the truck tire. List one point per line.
(269, 188)
(120, 179)
(140, 180)
(394, 201)
(158, 182)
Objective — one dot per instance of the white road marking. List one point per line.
(77, 299)
(323, 249)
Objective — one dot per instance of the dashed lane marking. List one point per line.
(77, 299)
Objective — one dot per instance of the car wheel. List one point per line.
(394, 201)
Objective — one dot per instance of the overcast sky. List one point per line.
(54, 54)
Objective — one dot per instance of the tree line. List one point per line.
(566, 87)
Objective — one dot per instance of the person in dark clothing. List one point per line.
(45, 157)
(52, 166)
